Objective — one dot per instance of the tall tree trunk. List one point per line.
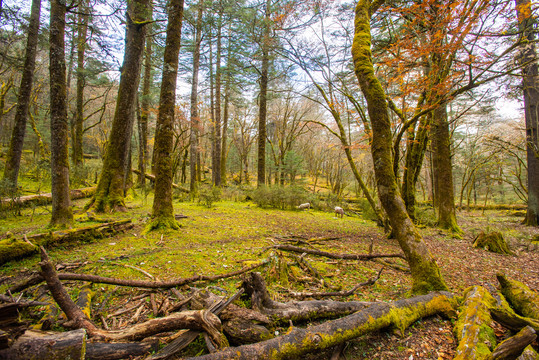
(62, 214)
(224, 147)
(530, 86)
(263, 98)
(216, 164)
(425, 272)
(415, 153)
(13, 161)
(443, 171)
(110, 188)
(163, 211)
(78, 157)
(195, 118)
(145, 108)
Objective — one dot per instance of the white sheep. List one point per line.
(305, 206)
(339, 211)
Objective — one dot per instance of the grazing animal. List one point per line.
(339, 211)
(305, 206)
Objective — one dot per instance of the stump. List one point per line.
(493, 242)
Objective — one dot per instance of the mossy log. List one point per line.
(505, 315)
(298, 341)
(41, 345)
(362, 257)
(512, 347)
(152, 179)
(114, 351)
(521, 297)
(493, 242)
(529, 353)
(472, 329)
(12, 248)
(255, 287)
(44, 199)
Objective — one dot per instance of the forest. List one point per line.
(269, 179)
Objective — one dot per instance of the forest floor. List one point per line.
(231, 235)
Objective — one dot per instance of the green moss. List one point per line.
(493, 242)
(520, 296)
(11, 249)
(476, 337)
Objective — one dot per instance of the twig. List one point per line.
(335, 256)
(336, 293)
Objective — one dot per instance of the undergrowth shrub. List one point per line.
(281, 197)
(207, 195)
(366, 210)
(9, 197)
(425, 215)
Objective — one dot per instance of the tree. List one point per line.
(163, 211)
(13, 161)
(195, 119)
(263, 97)
(110, 188)
(530, 87)
(78, 156)
(425, 272)
(62, 214)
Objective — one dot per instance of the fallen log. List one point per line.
(36, 279)
(43, 199)
(529, 353)
(363, 257)
(12, 248)
(398, 314)
(152, 178)
(521, 297)
(34, 345)
(255, 287)
(115, 351)
(476, 338)
(512, 347)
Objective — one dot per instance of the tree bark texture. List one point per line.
(145, 109)
(163, 211)
(443, 170)
(398, 314)
(512, 347)
(216, 163)
(224, 147)
(35, 345)
(425, 272)
(62, 214)
(530, 86)
(195, 118)
(110, 188)
(78, 155)
(263, 99)
(13, 160)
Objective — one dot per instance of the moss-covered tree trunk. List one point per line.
(78, 156)
(195, 119)
(425, 272)
(163, 211)
(13, 161)
(415, 153)
(145, 109)
(443, 171)
(110, 188)
(62, 214)
(263, 100)
(216, 163)
(530, 86)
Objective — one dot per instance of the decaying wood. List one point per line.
(152, 178)
(472, 329)
(317, 295)
(512, 347)
(43, 199)
(74, 314)
(529, 353)
(493, 242)
(255, 287)
(34, 345)
(504, 314)
(114, 351)
(17, 248)
(36, 279)
(524, 300)
(399, 314)
(363, 257)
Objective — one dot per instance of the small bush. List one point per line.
(281, 197)
(366, 210)
(207, 195)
